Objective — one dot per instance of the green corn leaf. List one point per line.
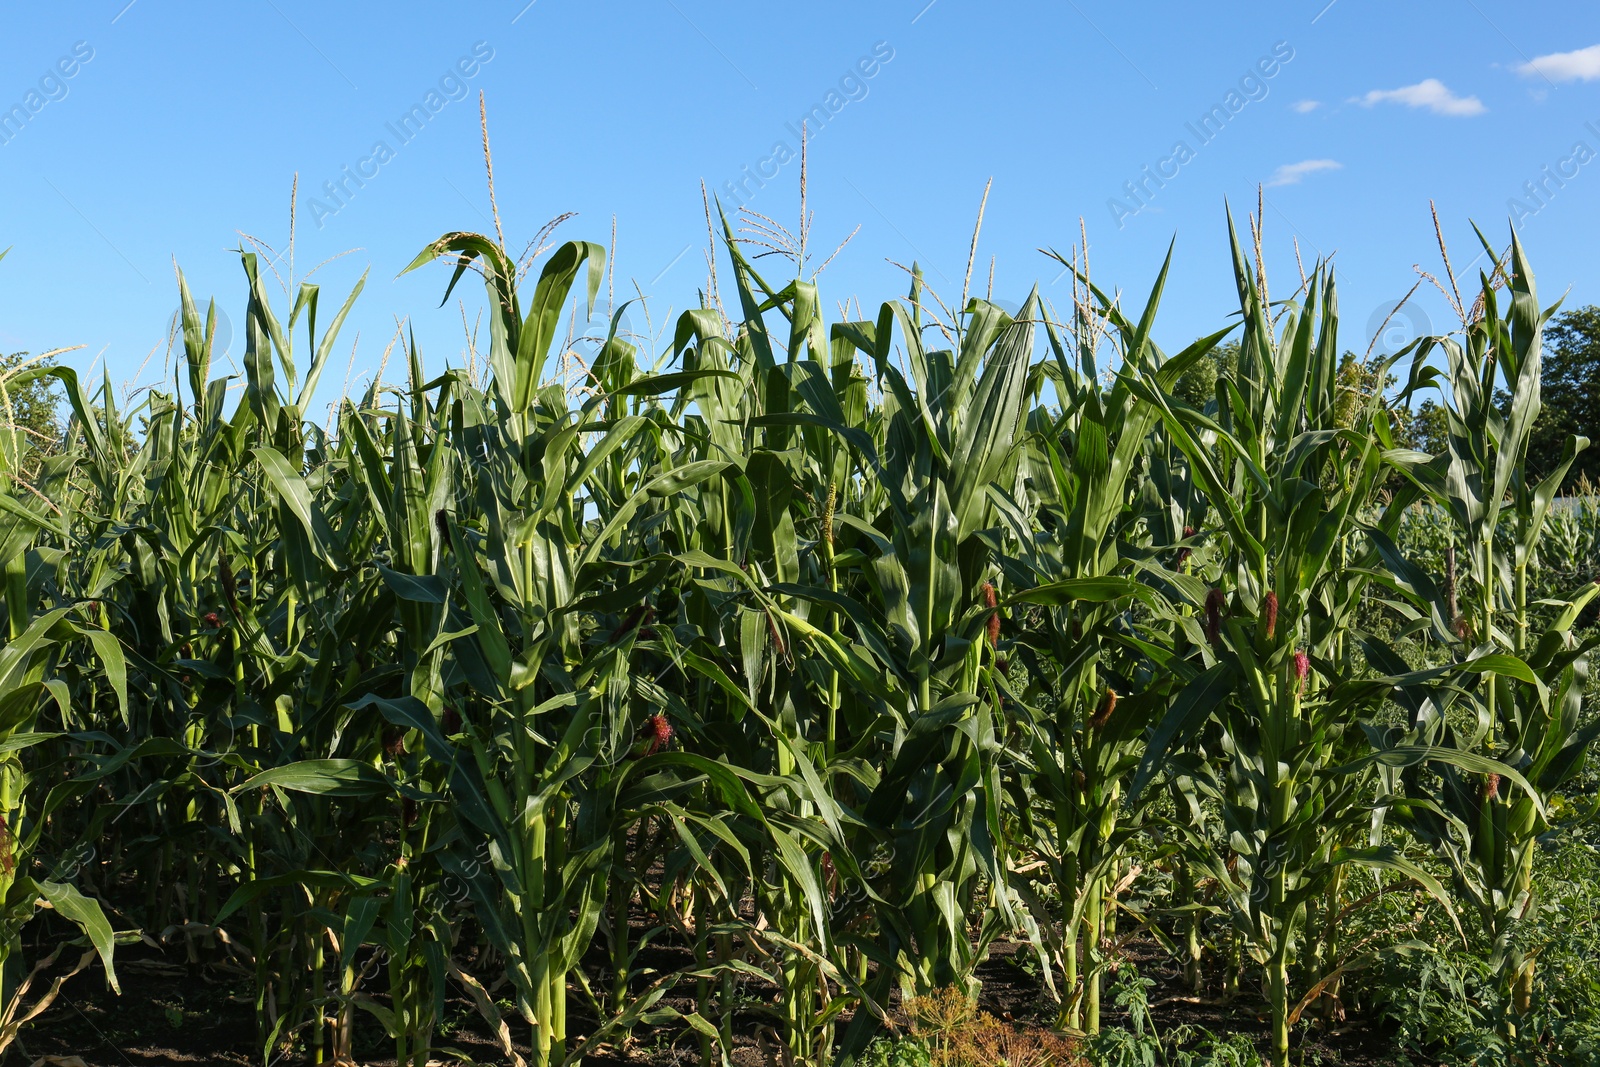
(85, 913)
(324, 777)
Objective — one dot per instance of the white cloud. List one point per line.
(1306, 106)
(1580, 66)
(1292, 173)
(1431, 94)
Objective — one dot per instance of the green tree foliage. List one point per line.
(1198, 383)
(1569, 385)
(34, 405)
(30, 425)
(1430, 429)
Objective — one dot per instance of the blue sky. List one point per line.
(183, 122)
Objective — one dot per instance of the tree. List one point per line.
(1429, 429)
(1569, 386)
(29, 424)
(1198, 383)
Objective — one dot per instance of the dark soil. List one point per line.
(171, 1012)
(1012, 990)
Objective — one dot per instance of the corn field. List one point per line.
(834, 653)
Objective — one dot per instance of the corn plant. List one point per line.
(1288, 484)
(37, 692)
(825, 650)
(1084, 499)
(1519, 666)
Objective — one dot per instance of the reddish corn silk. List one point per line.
(1185, 552)
(993, 623)
(450, 721)
(1491, 786)
(1269, 613)
(1302, 668)
(1108, 705)
(213, 620)
(660, 731)
(1215, 601)
(394, 741)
